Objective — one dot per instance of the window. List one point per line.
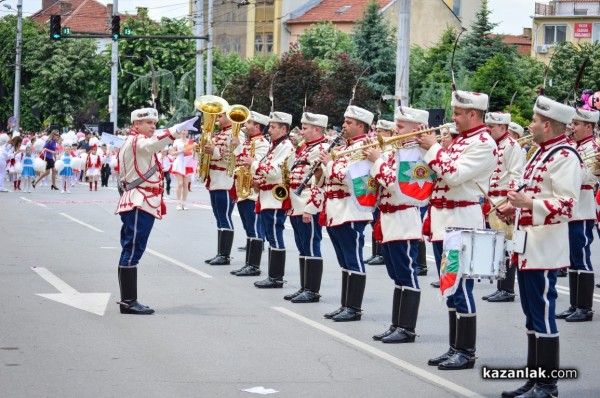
(596, 33)
(270, 43)
(456, 7)
(258, 43)
(263, 43)
(555, 34)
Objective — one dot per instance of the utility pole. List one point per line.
(403, 50)
(114, 91)
(209, 58)
(199, 28)
(17, 103)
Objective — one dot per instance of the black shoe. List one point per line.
(486, 297)
(502, 297)
(53, 188)
(519, 391)
(242, 248)
(581, 315)
(561, 273)
(210, 259)
(380, 336)
(307, 296)
(597, 284)
(135, 308)
(435, 284)
(377, 260)
(460, 360)
(235, 271)
(367, 261)
(330, 315)
(437, 360)
(348, 315)
(400, 335)
(421, 271)
(566, 313)
(292, 295)
(269, 283)
(541, 390)
(33, 185)
(220, 260)
(248, 270)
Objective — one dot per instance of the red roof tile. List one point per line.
(336, 11)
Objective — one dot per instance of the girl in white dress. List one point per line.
(182, 152)
(93, 167)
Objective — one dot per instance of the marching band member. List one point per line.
(552, 182)
(511, 160)
(140, 176)
(401, 230)
(304, 214)
(219, 184)
(255, 146)
(344, 220)
(386, 129)
(269, 174)
(581, 227)
(515, 130)
(469, 161)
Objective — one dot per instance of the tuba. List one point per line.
(210, 106)
(281, 191)
(238, 114)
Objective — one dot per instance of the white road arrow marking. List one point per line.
(90, 302)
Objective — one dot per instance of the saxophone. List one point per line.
(243, 174)
(281, 191)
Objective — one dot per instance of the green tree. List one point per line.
(375, 46)
(324, 41)
(494, 70)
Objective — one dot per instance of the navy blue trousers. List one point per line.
(250, 220)
(222, 207)
(348, 241)
(538, 300)
(273, 222)
(581, 236)
(462, 299)
(307, 235)
(135, 231)
(401, 262)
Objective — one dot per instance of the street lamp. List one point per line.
(17, 102)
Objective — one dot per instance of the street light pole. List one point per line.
(17, 103)
(114, 89)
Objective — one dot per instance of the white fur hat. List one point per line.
(497, 118)
(315, 119)
(411, 115)
(469, 100)
(553, 110)
(259, 118)
(144, 114)
(386, 125)
(280, 117)
(586, 116)
(516, 128)
(360, 114)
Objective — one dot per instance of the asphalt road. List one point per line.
(214, 334)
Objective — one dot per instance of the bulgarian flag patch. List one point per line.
(415, 178)
(364, 189)
(450, 264)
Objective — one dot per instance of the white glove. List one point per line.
(187, 125)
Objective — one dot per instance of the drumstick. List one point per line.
(505, 200)
(485, 195)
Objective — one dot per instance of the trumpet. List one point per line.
(528, 139)
(238, 114)
(210, 106)
(383, 142)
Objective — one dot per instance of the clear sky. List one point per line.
(512, 15)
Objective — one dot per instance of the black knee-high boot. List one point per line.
(301, 264)
(313, 273)
(584, 298)
(354, 297)
(276, 270)
(451, 338)
(466, 336)
(395, 309)
(531, 364)
(573, 287)
(225, 243)
(128, 288)
(408, 310)
(345, 274)
(253, 257)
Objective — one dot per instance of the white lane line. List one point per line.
(108, 247)
(31, 201)
(80, 222)
(423, 374)
(178, 263)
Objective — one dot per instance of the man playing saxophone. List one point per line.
(304, 214)
(272, 201)
(255, 147)
(219, 184)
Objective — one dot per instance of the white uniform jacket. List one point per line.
(136, 157)
(586, 207)
(470, 159)
(267, 172)
(399, 221)
(311, 199)
(217, 176)
(261, 147)
(508, 172)
(339, 204)
(553, 178)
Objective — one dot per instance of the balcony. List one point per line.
(568, 8)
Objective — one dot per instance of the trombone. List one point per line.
(383, 142)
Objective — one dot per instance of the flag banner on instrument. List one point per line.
(450, 264)
(363, 188)
(415, 178)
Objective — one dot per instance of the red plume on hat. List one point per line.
(95, 147)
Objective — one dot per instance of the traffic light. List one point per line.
(127, 31)
(116, 27)
(55, 30)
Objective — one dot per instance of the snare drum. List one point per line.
(482, 253)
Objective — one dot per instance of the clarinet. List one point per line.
(312, 171)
